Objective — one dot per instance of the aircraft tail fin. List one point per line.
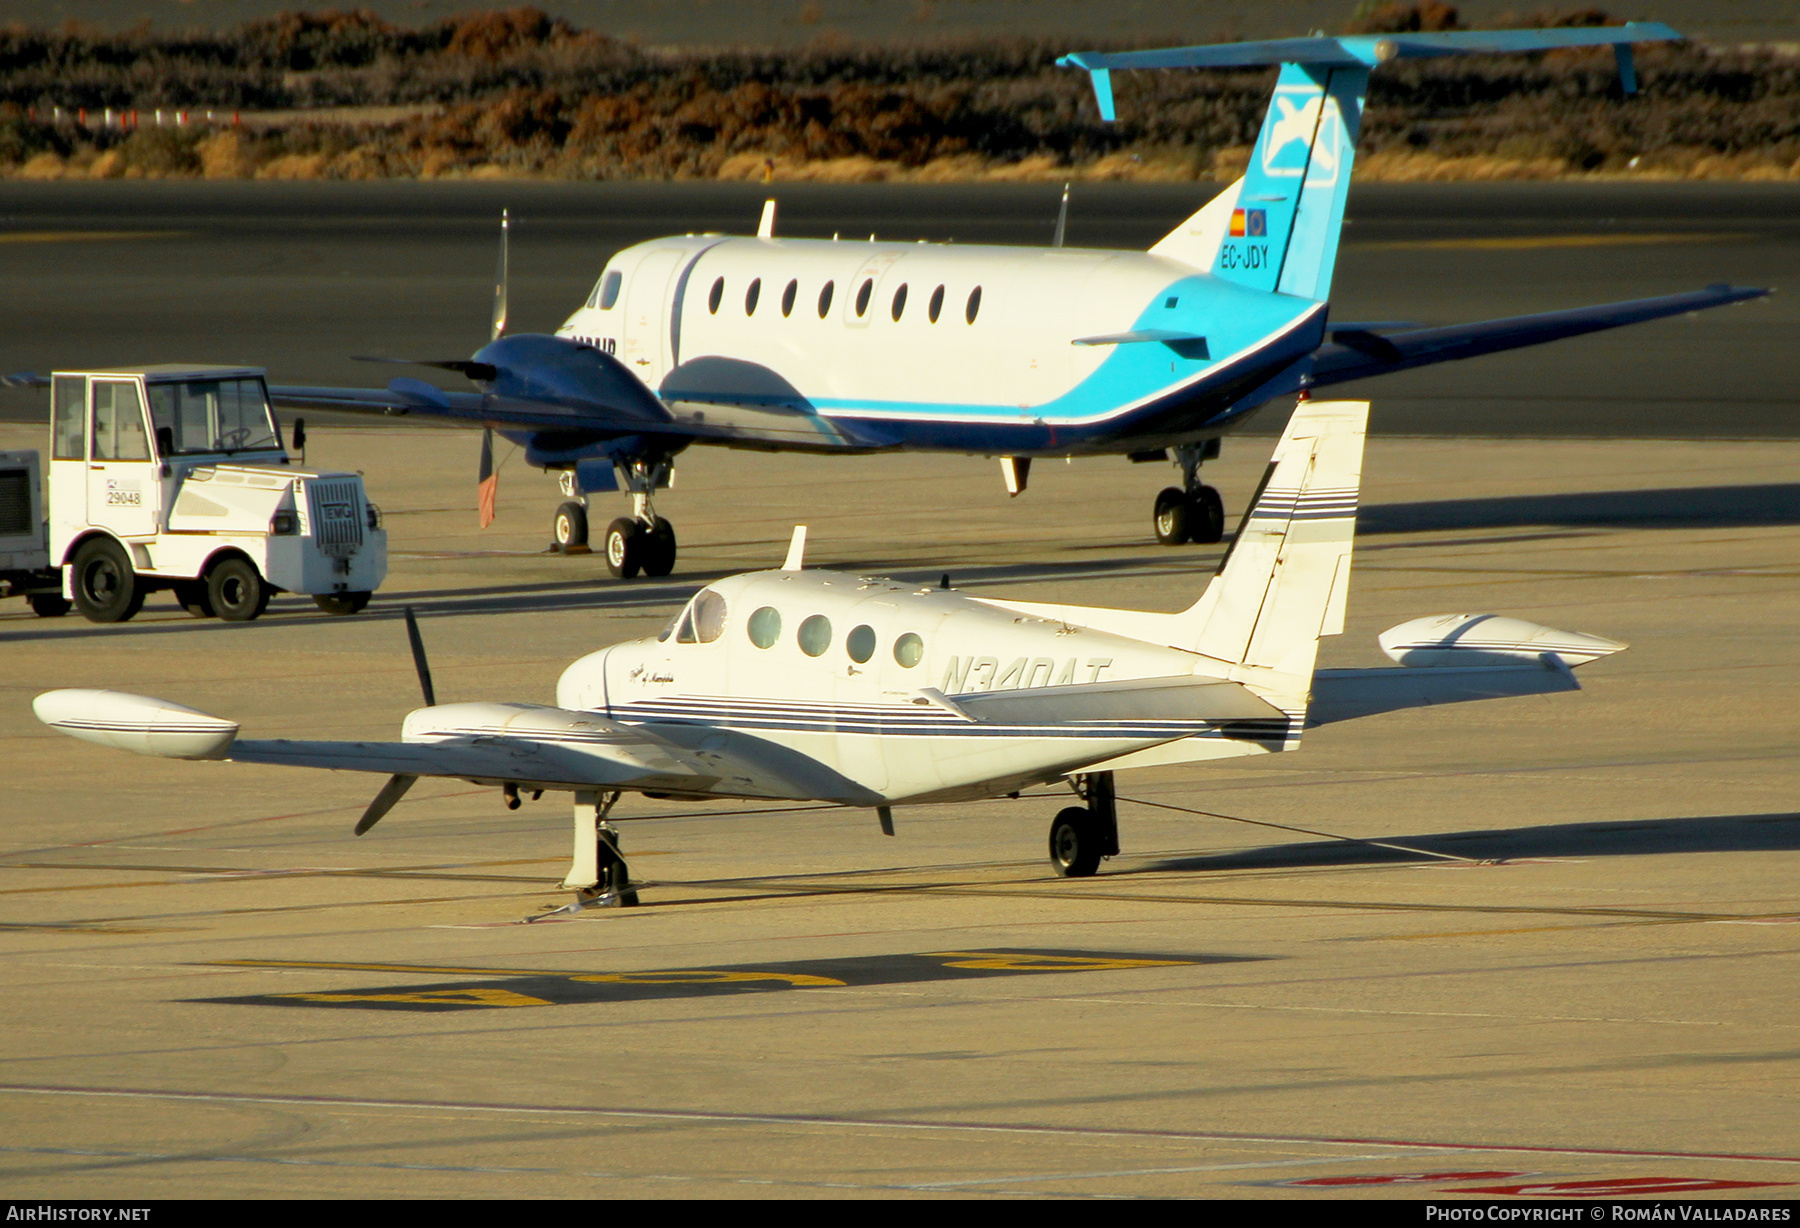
(1282, 234)
(1283, 583)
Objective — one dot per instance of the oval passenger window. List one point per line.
(709, 616)
(825, 299)
(718, 296)
(909, 650)
(787, 299)
(862, 297)
(751, 295)
(860, 644)
(937, 303)
(899, 302)
(765, 627)
(974, 304)
(815, 635)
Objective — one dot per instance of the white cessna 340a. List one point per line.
(826, 686)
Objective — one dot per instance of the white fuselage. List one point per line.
(866, 707)
(918, 333)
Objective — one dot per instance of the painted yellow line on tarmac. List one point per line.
(1528, 243)
(84, 236)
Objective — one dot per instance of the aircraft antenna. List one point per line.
(499, 322)
(1062, 219)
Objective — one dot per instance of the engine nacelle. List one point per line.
(136, 722)
(1461, 640)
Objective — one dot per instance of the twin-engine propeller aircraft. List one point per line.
(1015, 352)
(825, 686)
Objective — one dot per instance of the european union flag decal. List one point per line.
(1256, 223)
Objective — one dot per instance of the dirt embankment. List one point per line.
(518, 94)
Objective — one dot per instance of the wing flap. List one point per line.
(1185, 697)
(625, 762)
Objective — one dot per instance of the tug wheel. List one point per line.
(341, 603)
(107, 590)
(48, 605)
(236, 590)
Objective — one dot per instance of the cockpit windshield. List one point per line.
(212, 415)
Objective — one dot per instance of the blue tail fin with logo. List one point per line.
(1282, 233)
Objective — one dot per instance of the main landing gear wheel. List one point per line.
(1075, 843)
(341, 603)
(1182, 517)
(624, 548)
(236, 590)
(659, 549)
(615, 875)
(107, 590)
(569, 529)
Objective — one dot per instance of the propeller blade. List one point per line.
(419, 663)
(500, 278)
(487, 484)
(1062, 219)
(391, 792)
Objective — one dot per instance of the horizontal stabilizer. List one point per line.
(1186, 697)
(1346, 694)
(1460, 640)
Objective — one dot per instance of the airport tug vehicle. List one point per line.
(175, 478)
(814, 685)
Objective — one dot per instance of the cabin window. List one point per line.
(862, 297)
(709, 616)
(860, 643)
(609, 289)
(765, 627)
(751, 295)
(787, 299)
(974, 307)
(909, 650)
(716, 297)
(899, 302)
(815, 635)
(825, 299)
(937, 304)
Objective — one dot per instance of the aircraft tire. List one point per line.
(659, 549)
(615, 875)
(1206, 516)
(569, 528)
(107, 590)
(236, 590)
(1075, 840)
(341, 603)
(624, 548)
(1174, 514)
(48, 605)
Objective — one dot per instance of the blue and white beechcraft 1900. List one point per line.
(1014, 352)
(824, 686)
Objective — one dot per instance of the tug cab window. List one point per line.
(213, 415)
(119, 422)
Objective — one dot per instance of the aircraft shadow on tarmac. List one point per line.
(1733, 833)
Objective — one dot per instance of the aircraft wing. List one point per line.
(1347, 694)
(1357, 354)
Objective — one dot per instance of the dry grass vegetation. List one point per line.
(502, 94)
